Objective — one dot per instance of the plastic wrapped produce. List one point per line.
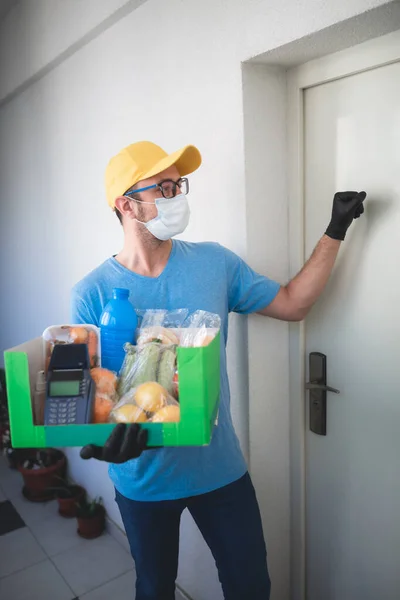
(200, 329)
(72, 334)
(150, 362)
(143, 403)
(158, 325)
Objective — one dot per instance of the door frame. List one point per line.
(369, 55)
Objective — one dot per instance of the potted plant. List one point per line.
(14, 456)
(41, 471)
(69, 496)
(91, 518)
(5, 438)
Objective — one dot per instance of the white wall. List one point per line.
(267, 236)
(36, 35)
(170, 72)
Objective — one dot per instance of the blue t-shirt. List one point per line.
(197, 276)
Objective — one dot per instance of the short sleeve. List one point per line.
(81, 312)
(248, 291)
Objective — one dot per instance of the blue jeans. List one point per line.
(229, 520)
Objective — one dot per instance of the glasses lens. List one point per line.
(184, 185)
(171, 188)
(168, 189)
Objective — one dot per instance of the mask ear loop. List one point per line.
(135, 200)
(141, 202)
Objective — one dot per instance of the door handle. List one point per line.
(319, 386)
(318, 389)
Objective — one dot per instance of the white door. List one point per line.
(352, 142)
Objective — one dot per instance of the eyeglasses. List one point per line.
(167, 187)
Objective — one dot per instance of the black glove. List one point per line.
(125, 442)
(346, 207)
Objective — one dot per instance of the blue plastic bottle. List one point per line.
(118, 323)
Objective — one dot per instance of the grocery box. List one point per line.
(199, 386)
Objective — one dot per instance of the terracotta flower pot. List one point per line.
(37, 482)
(67, 505)
(93, 526)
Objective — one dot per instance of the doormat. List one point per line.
(10, 519)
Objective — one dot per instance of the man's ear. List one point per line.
(126, 207)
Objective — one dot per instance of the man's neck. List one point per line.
(145, 256)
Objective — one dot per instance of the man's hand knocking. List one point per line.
(347, 206)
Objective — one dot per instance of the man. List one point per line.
(147, 188)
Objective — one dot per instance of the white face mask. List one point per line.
(172, 219)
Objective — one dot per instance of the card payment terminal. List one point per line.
(70, 389)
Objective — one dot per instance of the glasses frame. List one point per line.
(177, 184)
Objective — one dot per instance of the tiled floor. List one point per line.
(42, 557)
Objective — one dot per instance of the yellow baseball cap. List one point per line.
(143, 160)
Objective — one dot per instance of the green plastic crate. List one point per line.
(199, 386)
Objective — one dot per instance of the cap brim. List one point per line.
(187, 160)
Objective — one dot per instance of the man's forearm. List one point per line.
(308, 285)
